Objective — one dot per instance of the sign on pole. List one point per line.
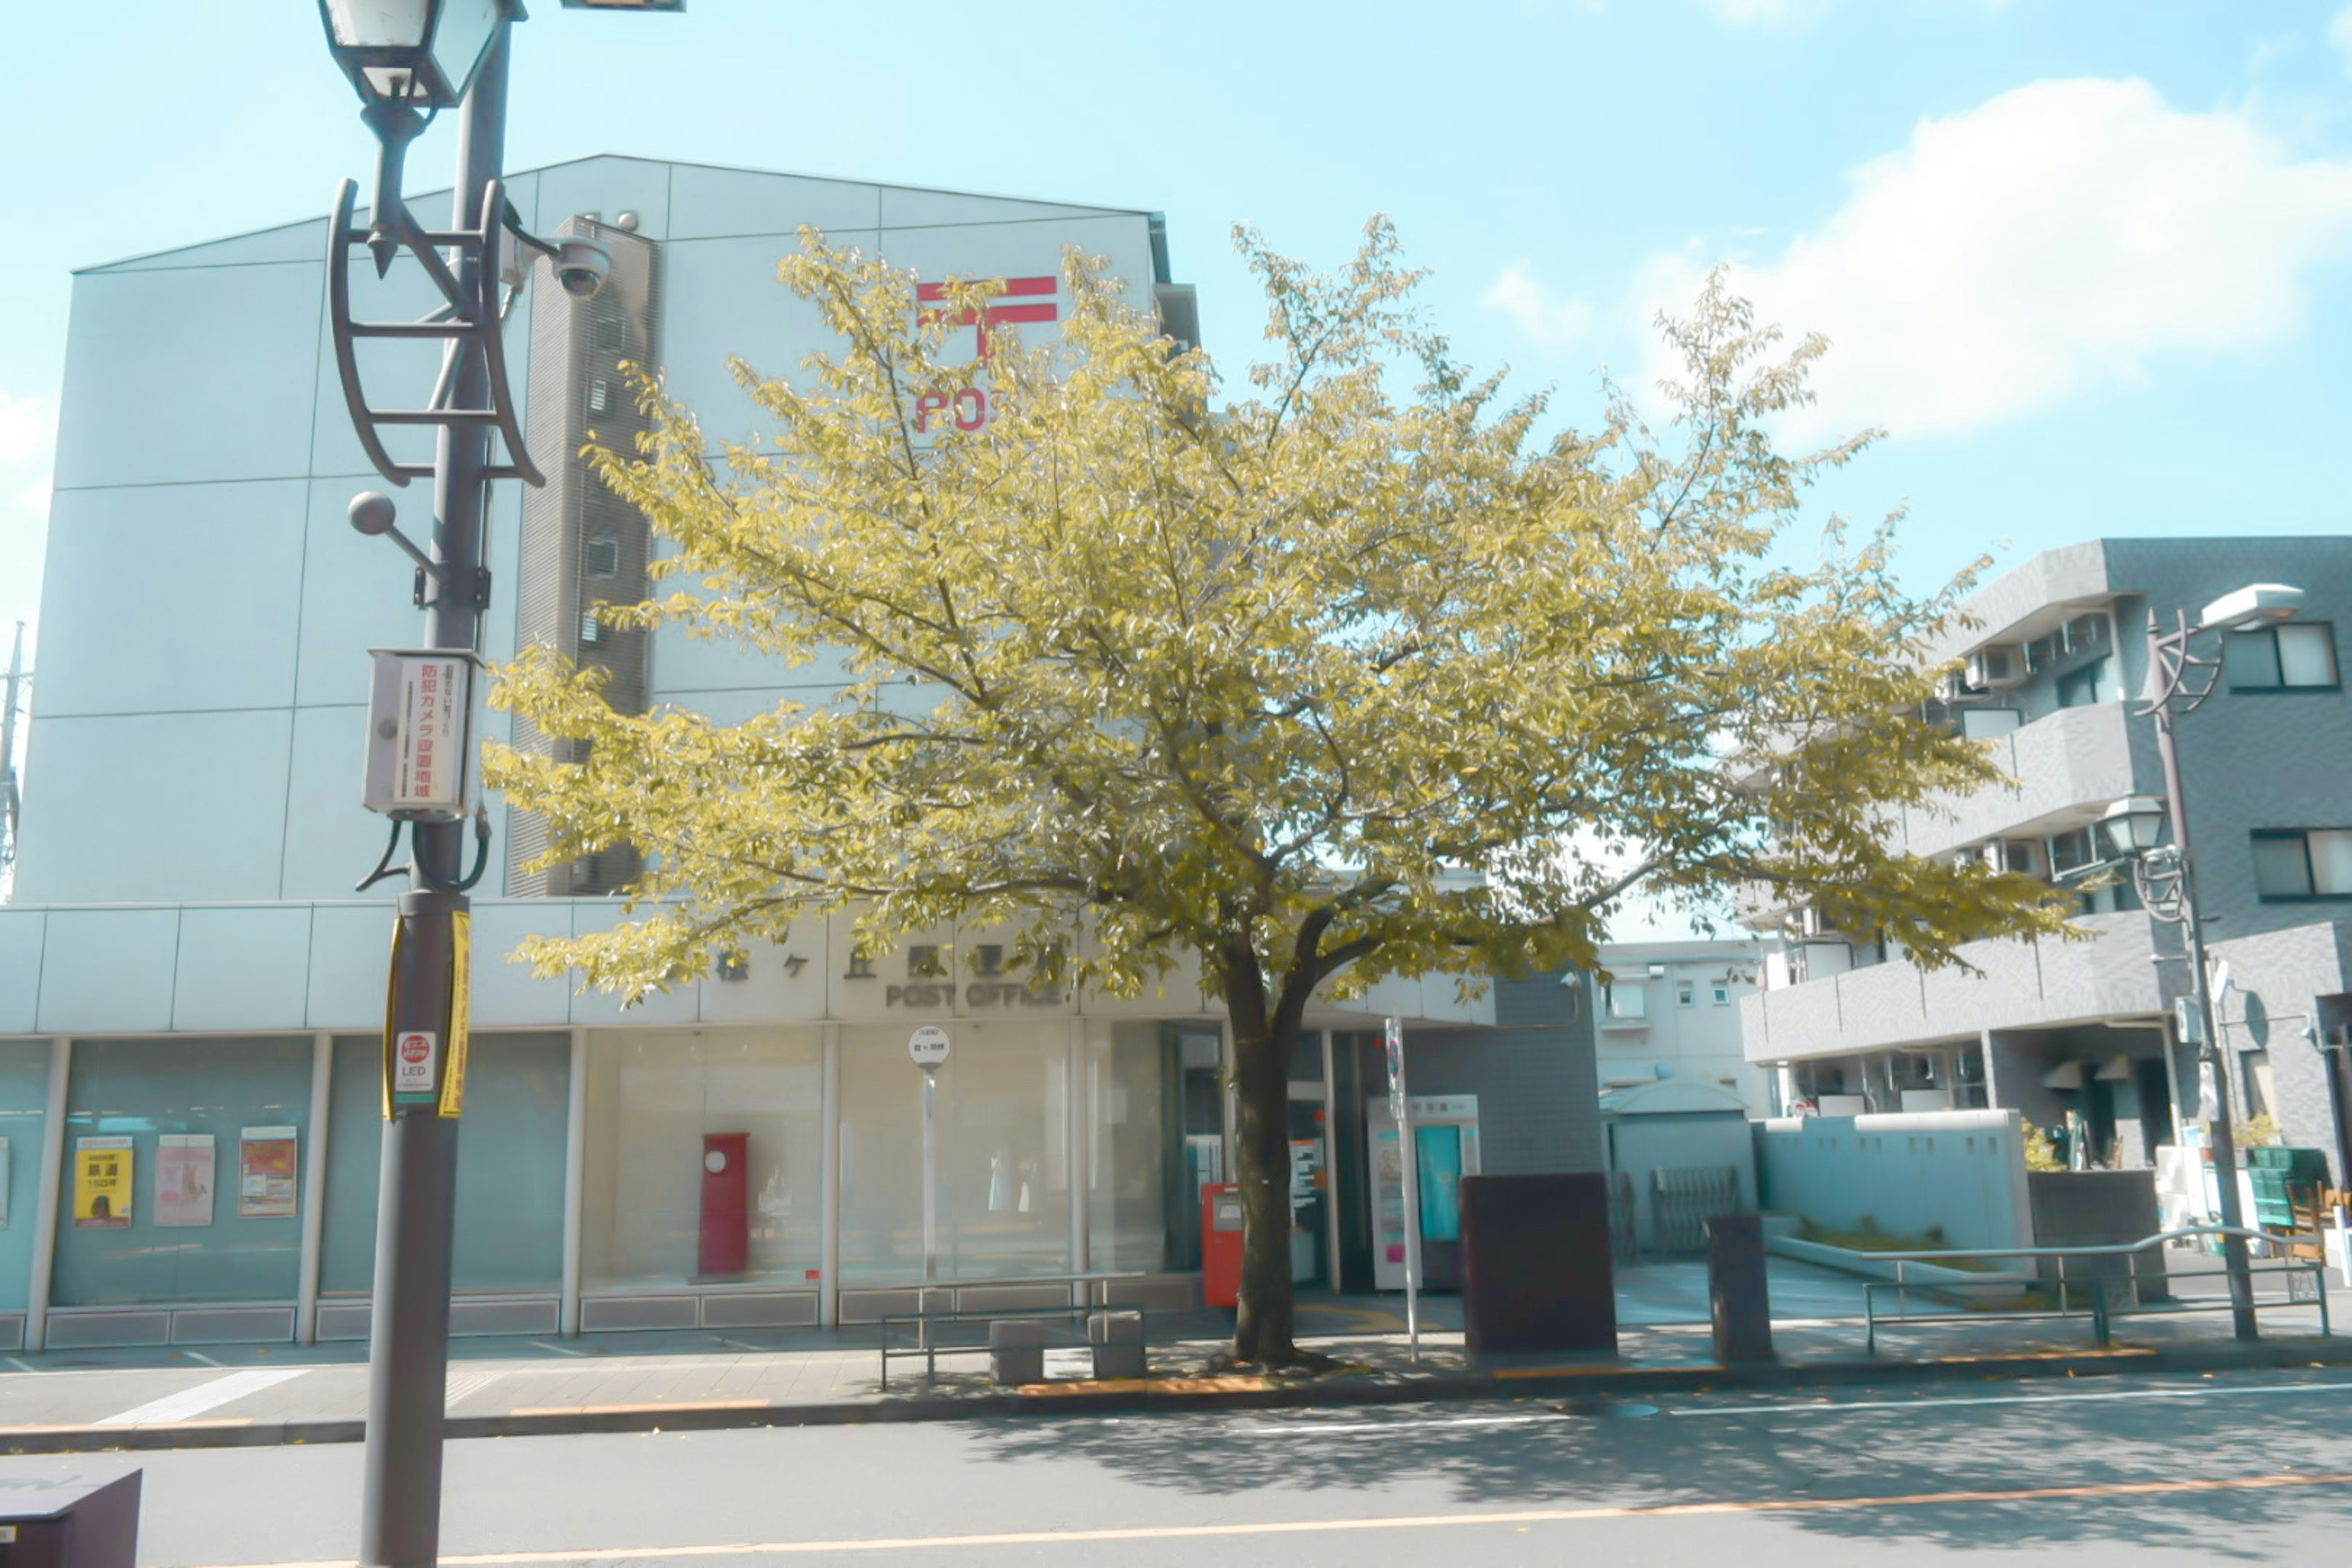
(928, 1046)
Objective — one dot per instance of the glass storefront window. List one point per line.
(1127, 1219)
(510, 1229)
(1004, 1153)
(154, 1205)
(655, 1097)
(23, 1111)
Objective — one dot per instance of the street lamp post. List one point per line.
(408, 60)
(2179, 682)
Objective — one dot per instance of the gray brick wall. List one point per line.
(1538, 1100)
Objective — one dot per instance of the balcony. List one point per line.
(2022, 985)
(2063, 763)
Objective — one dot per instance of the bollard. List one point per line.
(1736, 1289)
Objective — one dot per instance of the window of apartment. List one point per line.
(1685, 993)
(2302, 863)
(2072, 851)
(1626, 1001)
(601, 556)
(2282, 658)
(1985, 723)
(2117, 897)
(600, 396)
(2086, 632)
(2079, 688)
(1721, 993)
(2044, 651)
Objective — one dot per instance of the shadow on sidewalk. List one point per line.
(1606, 1454)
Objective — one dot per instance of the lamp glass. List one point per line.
(378, 24)
(421, 51)
(2135, 825)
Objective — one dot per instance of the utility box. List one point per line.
(1221, 1244)
(69, 1521)
(420, 741)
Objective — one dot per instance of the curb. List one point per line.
(1137, 1397)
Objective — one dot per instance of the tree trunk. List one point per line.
(1263, 1043)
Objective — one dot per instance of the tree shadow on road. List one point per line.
(1607, 1454)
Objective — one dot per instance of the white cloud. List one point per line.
(2340, 33)
(1548, 320)
(2060, 238)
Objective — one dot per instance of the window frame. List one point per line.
(2281, 686)
(2302, 836)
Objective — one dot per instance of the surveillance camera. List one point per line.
(371, 512)
(581, 266)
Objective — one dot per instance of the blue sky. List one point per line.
(2087, 260)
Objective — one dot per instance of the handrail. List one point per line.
(2105, 1249)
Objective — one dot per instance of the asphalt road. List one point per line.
(2245, 1469)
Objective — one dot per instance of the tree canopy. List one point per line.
(1351, 669)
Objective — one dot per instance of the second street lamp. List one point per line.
(2179, 682)
(407, 60)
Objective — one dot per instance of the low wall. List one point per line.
(2099, 1208)
(1962, 1171)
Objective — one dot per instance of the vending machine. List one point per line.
(1445, 1148)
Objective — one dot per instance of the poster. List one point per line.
(102, 1183)
(184, 1179)
(265, 1173)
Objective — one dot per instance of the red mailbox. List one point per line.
(726, 1205)
(1221, 1244)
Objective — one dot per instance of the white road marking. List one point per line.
(204, 1396)
(1353, 1428)
(558, 1349)
(2217, 1391)
(199, 1355)
(466, 1384)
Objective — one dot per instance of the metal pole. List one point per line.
(408, 1331)
(1412, 1224)
(2225, 1149)
(930, 1174)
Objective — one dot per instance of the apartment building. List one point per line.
(2086, 1034)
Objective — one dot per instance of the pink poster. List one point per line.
(184, 1179)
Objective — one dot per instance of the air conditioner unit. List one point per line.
(1814, 926)
(1997, 666)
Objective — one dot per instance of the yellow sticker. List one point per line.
(461, 1008)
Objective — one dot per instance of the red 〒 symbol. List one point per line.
(998, 312)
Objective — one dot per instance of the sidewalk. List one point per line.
(235, 1396)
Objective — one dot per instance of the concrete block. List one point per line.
(1117, 1341)
(1016, 1351)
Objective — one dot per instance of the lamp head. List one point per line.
(2256, 605)
(2134, 824)
(420, 53)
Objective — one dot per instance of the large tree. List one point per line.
(1349, 671)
